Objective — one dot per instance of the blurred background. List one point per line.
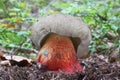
(102, 17)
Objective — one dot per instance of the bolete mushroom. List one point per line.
(65, 25)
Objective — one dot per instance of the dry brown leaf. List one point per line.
(15, 60)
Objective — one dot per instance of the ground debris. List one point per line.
(95, 68)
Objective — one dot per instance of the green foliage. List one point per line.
(3, 7)
(43, 3)
(14, 12)
(10, 38)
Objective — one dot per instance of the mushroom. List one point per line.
(66, 25)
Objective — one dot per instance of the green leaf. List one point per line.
(23, 33)
(12, 45)
(114, 27)
(3, 7)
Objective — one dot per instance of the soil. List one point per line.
(95, 68)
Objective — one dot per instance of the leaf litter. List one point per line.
(96, 67)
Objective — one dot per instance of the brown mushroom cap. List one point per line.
(65, 25)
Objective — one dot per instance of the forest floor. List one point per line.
(95, 67)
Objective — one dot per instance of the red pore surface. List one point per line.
(58, 53)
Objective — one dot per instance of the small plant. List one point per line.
(10, 38)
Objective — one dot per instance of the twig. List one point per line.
(21, 48)
(24, 48)
(27, 49)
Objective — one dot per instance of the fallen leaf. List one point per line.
(15, 60)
